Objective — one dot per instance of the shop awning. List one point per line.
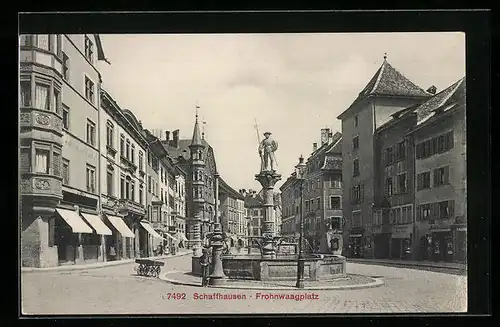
(73, 219)
(97, 224)
(165, 233)
(150, 230)
(120, 225)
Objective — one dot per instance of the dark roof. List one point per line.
(183, 149)
(196, 140)
(387, 81)
(100, 50)
(439, 100)
(223, 186)
(332, 163)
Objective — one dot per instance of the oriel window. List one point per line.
(42, 161)
(42, 97)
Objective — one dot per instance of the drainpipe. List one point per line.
(99, 209)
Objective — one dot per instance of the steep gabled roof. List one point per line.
(196, 140)
(388, 82)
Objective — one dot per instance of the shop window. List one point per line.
(91, 239)
(42, 161)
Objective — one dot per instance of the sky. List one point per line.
(292, 85)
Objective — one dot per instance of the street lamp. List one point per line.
(299, 175)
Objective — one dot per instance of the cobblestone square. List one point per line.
(117, 290)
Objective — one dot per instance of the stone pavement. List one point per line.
(348, 282)
(117, 290)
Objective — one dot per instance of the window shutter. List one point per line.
(434, 177)
(420, 181)
(394, 185)
(419, 213)
(447, 175)
(451, 208)
(361, 193)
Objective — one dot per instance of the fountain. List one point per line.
(270, 264)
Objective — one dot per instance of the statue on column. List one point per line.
(266, 151)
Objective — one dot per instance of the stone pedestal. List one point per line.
(268, 179)
(217, 276)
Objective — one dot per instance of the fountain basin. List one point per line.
(254, 267)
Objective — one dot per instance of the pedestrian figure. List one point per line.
(112, 253)
(205, 266)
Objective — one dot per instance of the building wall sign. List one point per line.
(401, 231)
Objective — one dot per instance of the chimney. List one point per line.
(432, 89)
(315, 146)
(167, 136)
(175, 138)
(324, 135)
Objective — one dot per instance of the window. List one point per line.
(43, 41)
(357, 194)
(122, 145)
(89, 90)
(149, 184)
(109, 134)
(25, 93)
(90, 132)
(319, 203)
(424, 211)
(356, 121)
(389, 156)
(65, 171)
(55, 101)
(127, 153)
(42, 161)
(388, 186)
(356, 167)
(335, 223)
(444, 210)
(42, 97)
(26, 40)
(90, 178)
(56, 162)
(448, 143)
(307, 205)
(441, 176)
(356, 219)
(402, 183)
(336, 181)
(65, 66)
(122, 188)
(89, 49)
(401, 150)
(132, 154)
(65, 117)
(141, 159)
(335, 203)
(441, 141)
(423, 180)
(132, 190)
(355, 142)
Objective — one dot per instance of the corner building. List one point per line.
(59, 150)
(386, 93)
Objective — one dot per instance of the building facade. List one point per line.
(441, 176)
(59, 150)
(385, 94)
(290, 197)
(124, 174)
(231, 215)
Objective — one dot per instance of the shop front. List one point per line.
(116, 244)
(173, 242)
(73, 237)
(443, 248)
(356, 243)
(401, 242)
(460, 232)
(96, 252)
(147, 234)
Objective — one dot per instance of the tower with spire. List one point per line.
(198, 184)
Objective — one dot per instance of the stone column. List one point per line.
(217, 276)
(268, 179)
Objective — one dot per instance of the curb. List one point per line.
(94, 266)
(377, 283)
(407, 265)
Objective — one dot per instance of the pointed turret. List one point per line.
(197, 141)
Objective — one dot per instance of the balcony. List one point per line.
(110, 151)
(41, 125)
(128, 206)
